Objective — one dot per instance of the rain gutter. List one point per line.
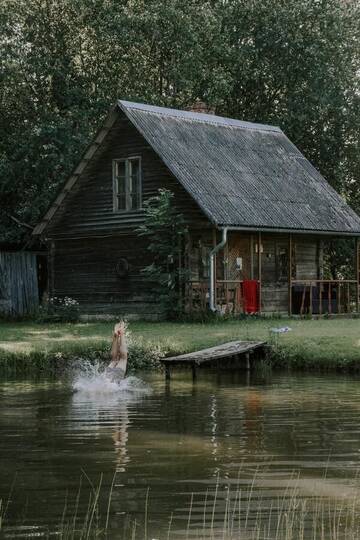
(213, 252)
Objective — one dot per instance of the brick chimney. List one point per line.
(200, 107)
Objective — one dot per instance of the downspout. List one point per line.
(213, 252)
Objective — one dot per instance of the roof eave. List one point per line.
(250, 228)
(79, 169)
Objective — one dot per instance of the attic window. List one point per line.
(127, 184)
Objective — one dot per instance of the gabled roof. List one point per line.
(241, 174)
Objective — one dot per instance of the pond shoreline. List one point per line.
(314, 346)
(146, 358)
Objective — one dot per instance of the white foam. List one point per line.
(92, 379)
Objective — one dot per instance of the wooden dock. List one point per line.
(218, 356)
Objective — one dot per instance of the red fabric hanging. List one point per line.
(251, 296)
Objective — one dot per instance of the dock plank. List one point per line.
(226, 350)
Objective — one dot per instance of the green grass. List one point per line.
(311, 344)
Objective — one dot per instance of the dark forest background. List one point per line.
(292, 63)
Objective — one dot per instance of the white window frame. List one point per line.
(126, 160)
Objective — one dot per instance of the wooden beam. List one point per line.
(259, 269)
(303, 301)
(357, 258)
(290, 274)
(167, 372)
(308, 281)
(51, 270)
(181, 282)
(215, 264)
(320, 246)
(193, 371)
(226, 276)
(320, 298)
(251, 256)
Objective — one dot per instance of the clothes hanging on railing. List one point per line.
(251, 295)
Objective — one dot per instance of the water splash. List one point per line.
(92, 379)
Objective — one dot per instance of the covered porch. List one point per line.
(271, 273)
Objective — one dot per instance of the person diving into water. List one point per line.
(119, 353)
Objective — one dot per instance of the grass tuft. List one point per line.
(233, 514)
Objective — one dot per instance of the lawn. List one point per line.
(310, 342)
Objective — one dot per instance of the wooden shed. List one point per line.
(260, 217)
(19, 292)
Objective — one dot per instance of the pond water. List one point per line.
(222, 457)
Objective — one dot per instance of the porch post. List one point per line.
(252, 256)
(51, 266)
(214, 267)
(290, 274)
(259, 267)
(357, 273)
(213, 253)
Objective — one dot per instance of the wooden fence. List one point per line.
(324, 296)
(19, 293)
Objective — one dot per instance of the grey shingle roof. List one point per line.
(242, 174)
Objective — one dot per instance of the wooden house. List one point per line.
(259, 215)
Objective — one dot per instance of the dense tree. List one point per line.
(62, 63)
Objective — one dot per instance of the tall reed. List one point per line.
(227, 512)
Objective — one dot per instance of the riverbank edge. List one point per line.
(147, 357)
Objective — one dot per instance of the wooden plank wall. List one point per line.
(87, 237)
(85, 269)
(306, 258)
(19, 293)
(238, 246)
(88, 209)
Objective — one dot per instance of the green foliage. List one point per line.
(142, 357)
(165, 229)
(290, 63)
(339, 259)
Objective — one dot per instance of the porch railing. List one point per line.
(321, 297)
(308, 296)
(229, 296)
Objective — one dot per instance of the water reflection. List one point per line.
(120, 438)
(209, 448)
(110, 417)
(253, 419)
(107, 406)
